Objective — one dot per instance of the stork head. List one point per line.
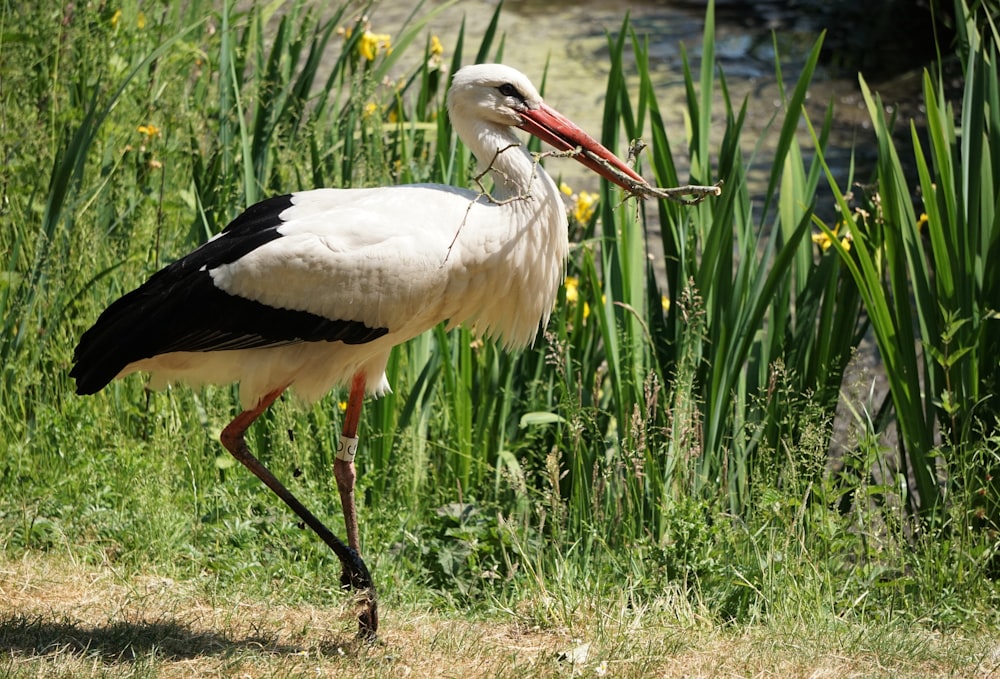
(501, 96)
(491, 93)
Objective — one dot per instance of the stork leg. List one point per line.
(343, 465)
(355, 571)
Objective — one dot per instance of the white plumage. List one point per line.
(403, 258)
(313, 289)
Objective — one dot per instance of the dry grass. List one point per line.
(59, 618)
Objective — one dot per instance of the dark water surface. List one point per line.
(572, 38)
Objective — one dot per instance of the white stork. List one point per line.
(313, 289)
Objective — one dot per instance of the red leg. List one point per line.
(355, 572)
(232, 435)
(343, 465)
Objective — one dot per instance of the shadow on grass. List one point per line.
(120, 642)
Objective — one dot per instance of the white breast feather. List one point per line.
(402, 258)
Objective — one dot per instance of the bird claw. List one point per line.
(368, 620)
(355, 576)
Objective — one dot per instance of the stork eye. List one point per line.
(509, 90)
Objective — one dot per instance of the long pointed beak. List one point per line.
(558, 131)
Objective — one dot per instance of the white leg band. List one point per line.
(347, 448)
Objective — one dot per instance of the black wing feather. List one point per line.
(180, 309)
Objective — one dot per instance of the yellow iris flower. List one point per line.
(371, 44)
(572, 285)
(824, 242)
(584, 203)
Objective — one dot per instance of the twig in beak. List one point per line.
(639, 188)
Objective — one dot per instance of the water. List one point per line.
(571, 37)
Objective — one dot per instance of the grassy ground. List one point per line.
(653, 478)
(62, 618)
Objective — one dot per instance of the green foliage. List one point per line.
(946, 379)
(657, 436)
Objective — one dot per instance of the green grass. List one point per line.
(638, 461)
(62, 620)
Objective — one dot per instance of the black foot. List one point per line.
(368, 620)
(356, 576)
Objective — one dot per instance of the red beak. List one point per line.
(562, 133)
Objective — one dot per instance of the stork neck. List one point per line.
(501, 154)
(519, 243)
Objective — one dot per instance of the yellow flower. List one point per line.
(922, 222)
(824, 242)
(572, 285)
(372, 43)
(342, 406)
(437, 49)
(371, 108)
(586, 203)
(665, 303)
(140, 20)
(149, 131)
(572, 289)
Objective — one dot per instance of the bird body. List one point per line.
(379, 265)
(353, 272)
(313, 289)
(393, 262)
